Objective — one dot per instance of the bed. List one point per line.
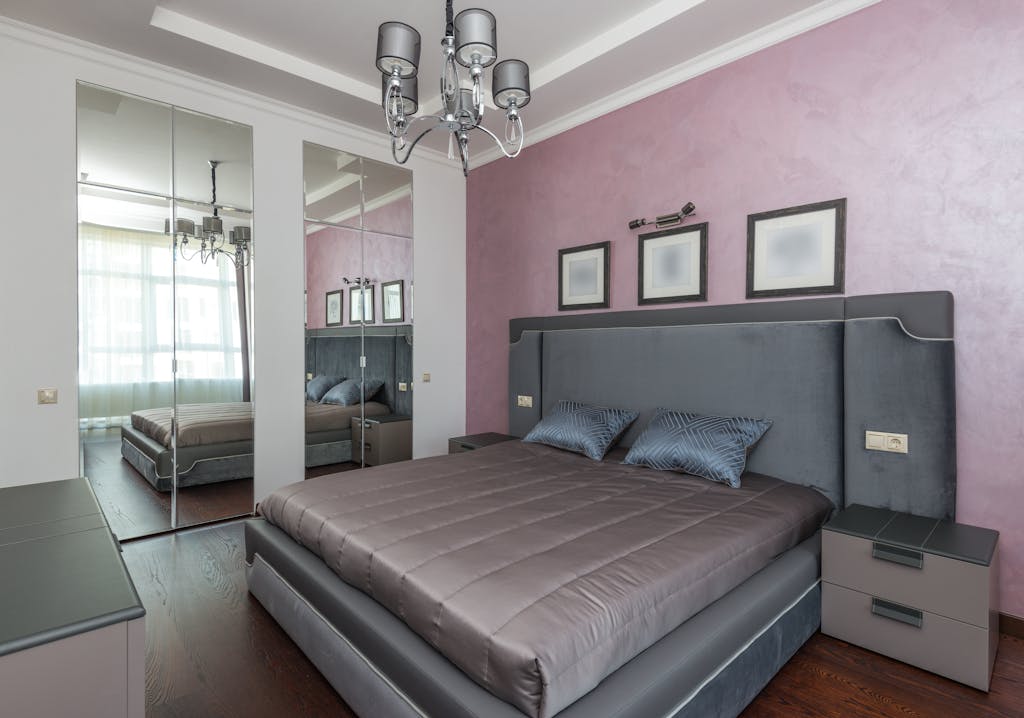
(215, 440)
(507, 581)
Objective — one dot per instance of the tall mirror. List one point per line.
(158, 332)
(359, 313)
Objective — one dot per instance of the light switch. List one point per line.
(886, 441)
(426, 377)
(525, 402)
(46, 396)
(402, 386)
(309, 375)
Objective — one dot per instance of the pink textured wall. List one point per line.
(333, 253)
(912, 109)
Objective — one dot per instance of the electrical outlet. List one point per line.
(426, 377)
(309, 375)
(525, 402)
(886, 441)
(46, 396)
(402, 386)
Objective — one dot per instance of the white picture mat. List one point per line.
(334, 308)
(583, 277)
(392, 301)
(360, 305)
(796, 251)
(672, 266)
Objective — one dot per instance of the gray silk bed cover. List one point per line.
(539, 572)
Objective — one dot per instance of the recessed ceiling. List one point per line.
(585, 58)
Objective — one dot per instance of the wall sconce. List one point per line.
(666, 220)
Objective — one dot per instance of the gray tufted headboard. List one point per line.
(825, 370)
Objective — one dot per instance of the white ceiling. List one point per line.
(586, 58)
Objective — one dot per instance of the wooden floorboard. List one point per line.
(134, 508)
(212, 650)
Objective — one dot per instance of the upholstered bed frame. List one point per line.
(826, 370)
(336, 352)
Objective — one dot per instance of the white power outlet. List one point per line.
(886, 441)
(46, 396)
(525, 402)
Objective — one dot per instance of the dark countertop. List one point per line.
(934, 536)
(61, 567)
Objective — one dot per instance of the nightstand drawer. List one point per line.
(942, 645)
(955, 589)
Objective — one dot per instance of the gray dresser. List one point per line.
(472, 442)
(72, 632)
(920, 590)
(385, 439)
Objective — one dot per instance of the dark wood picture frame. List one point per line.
(702, 292)
(604, 302)
(839, 261)
(384, 302)
(352, 306)
(341, 308)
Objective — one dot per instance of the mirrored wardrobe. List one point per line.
(165, 277)
(359, 311)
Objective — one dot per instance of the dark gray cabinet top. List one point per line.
(386, 419)
(478, 441)
(61, 568)
(935, 536)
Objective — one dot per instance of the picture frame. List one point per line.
(360, 301)
(797, 251)
(672, 265)
(333, 306)
(392, 301)
(584, 274)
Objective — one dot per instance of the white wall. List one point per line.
(38, 264)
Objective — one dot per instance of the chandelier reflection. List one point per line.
(211, 241)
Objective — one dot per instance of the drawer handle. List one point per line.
(896, 612)
(894, 554)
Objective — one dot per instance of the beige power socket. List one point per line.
(46, 396)
(403, 386)
(525, 402)
(885, 441)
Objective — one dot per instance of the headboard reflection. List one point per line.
(388, 353)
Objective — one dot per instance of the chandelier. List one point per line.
(470, 40)
(212, 240)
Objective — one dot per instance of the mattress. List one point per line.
(220, 423)
(536, 571)
(332, 417)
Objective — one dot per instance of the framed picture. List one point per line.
(583, 276)
(360, 305)
(797, 250)
(334, 314)
(673, 265)
(392, 301)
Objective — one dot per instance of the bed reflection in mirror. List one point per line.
(359, 339)
(165, 262)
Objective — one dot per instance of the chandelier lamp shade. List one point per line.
(211, 237)
(470, 41)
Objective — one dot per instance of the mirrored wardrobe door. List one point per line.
(125, 307)
(213, 449)
(358, 257)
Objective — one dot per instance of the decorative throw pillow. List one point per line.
(584, 429)
(320, 385)
(347, 392)
(713, 447)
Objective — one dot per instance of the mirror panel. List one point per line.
(123, 141)
(387, 199)
(332, 181)
(200, 139)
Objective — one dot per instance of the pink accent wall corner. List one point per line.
(912, 109)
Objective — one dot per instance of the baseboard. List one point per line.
(1011, 625)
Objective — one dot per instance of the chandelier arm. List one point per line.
(500, 144)
(464, 156)
(411, 146)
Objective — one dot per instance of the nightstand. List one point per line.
(916, 589)
(459, 444)
(385, 439)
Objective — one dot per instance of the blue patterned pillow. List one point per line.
(584, 429)
(320, 385)
(347, 392)
(713, 447)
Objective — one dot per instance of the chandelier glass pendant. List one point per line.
(470, 40)
(211, 238)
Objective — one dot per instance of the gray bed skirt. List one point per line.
(712, 665)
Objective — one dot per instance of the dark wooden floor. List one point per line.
(211, 650)
(134, 508)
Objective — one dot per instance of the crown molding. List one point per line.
(18, 31)
(779, 31)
